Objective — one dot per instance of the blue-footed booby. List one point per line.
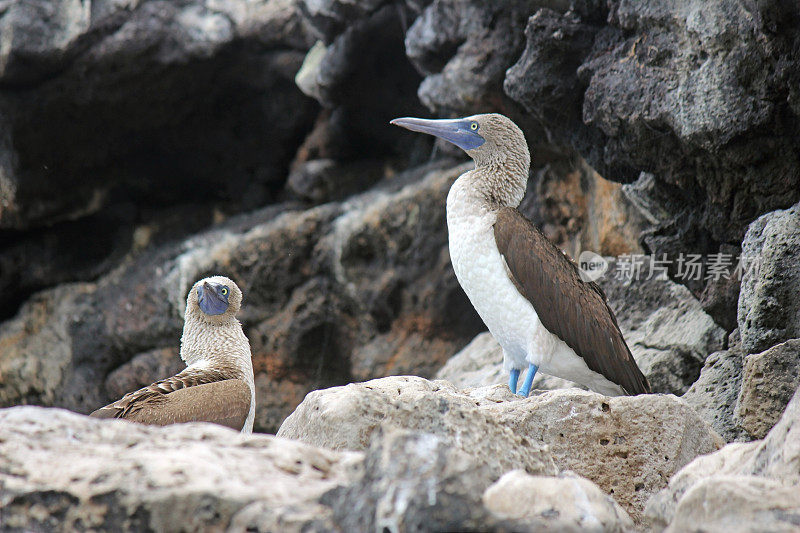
(528, 292)
(217, 384)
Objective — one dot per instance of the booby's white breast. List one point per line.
(510, 317)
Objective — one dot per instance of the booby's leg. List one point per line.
(526, 386)
(513, 379)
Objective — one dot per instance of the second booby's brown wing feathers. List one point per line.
(194, 395)
(570, 308)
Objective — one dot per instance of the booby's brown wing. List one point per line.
(194, 395)
(570, 308)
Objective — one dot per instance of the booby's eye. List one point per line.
(224, 291)
(474, 126)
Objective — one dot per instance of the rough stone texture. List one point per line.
(747, 486)
(738, 504)
(463, 49)
(769, 380)
(665, 327)
(65, 472)
(684, 90)
(121, 115)
(415, 482)
(345, 418)
(714, 393)
(539, 503)
(629, 446)
(769, 309)
(343, 291)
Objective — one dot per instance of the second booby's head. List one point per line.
(215, 299)
(485, 138)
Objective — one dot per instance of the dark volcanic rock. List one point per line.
(701, 94)
(464, 49)
(343, 291)
(769, 307)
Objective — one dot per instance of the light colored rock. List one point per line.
(769, 381)
(745, 476)
(738, 504)
(629, 445)
(714, 393)
(413, 481)
(566, 503)
(345, 418)
(769, 309)
(480, 363)
(66, 472)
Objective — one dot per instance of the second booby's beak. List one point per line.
(210, 301)
(461, 132)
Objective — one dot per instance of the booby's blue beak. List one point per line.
(461, 132)
(212, 299)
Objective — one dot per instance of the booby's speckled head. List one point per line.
(486, 138)
(214, 299)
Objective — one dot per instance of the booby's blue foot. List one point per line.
(513, 379)
(526, 386)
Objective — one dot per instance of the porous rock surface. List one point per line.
(769, 310)
(742, 487)
(115, 475)
(628, 446)
(769, 380)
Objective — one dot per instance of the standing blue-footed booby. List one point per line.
(217, 384)
(529, 294)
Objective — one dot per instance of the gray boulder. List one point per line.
(769, 310)
(628, 446)
(769, 381)
(742, 487)
(120, 476)
(345, 418)
(539, 503)
(714, 393)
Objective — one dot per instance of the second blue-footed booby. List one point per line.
(217, 384)
(529, 294)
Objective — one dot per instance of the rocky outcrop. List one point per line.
(769, 310)
(628, 446)
(349, 290)
(769, 380)
(714, 393)
(119, 476)
(658, 86)
(742, 487)
(345, 418)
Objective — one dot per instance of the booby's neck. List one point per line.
(499, 179)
